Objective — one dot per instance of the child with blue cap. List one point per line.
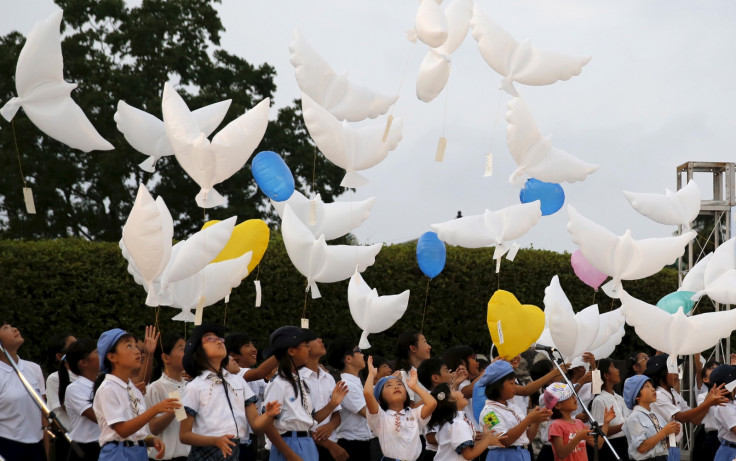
(725, 415)
(119, 405)
(498, 387)
(645, 435)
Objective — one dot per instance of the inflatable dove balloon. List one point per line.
(720, 274)
(535, 155)
(431, 23)
(320, 262)
(610, 333)
(210, 163)
(520, 62)
(373, 313)
(333, 220)
(673, 208)
(676, 334)
(434, 70)
(43, 93)
(212, 284)
(572, 333)
(147, 239)
(622, 257)
(186, 316)
(193, 254)
(490, 228)
(335, 93)
(147, 134)
(352, 149)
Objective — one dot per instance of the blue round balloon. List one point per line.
(551, 195)
(674, 301)
(431, 254)
(273, 176)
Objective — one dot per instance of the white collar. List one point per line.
(118, 381)
(642, 409)
(168, 379)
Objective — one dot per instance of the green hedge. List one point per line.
(83, 287)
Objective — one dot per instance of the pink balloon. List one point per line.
(585, 271)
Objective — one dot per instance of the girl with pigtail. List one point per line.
(84, 362)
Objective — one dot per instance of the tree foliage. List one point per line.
(118, 52)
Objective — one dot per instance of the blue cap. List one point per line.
(494, 372)
(378, 388)
(632, 386)
(105, 343)
(723, 374)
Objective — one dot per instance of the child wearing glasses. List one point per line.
(219, 406)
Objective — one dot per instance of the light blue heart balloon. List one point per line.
(674, 301)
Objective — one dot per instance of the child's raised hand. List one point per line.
(339, 393)
(459, 375)
(372, 371)
(225, 444)
(273, 408)
(539, 415)
(150, 340)
(717, 396)
(590, 359)
(413, 379)
(167, 406)
(609, 415)
(492, 438)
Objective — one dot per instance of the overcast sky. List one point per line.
(658, 92)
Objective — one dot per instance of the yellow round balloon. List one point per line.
(513, 326)
(251, 235)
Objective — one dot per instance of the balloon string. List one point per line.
(17, 151)
(306, 292)
(426, 296)
(224, 320)
(403, 75)
(160, 339)
(594, 293)
(258, 271)
(314, 169)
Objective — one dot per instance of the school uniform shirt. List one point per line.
(544, 425)
(501, 418)
(320, 385)
(20, 418)
(640, 426)
(468, 410)
(296, 412)
(567, 431)
(398, 432)
(52, 397)
(353, 426)
(665, 407)
(78, 400)
(586, 395)
(117, 401)
(520, 403)
(725, 419)
(453, 437)
(428, 446)
(709, 420)
(205, 399)
(607, 400)
(155, 393)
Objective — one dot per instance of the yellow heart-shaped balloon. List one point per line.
(513, 326)
(251, 235)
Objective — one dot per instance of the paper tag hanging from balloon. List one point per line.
(441, 146)
(305, 323)
(200, 310)
(257, 283)
(28, 197)
(227, 298)
(672, 364)
(498, 265)
(513, 251)
(596, 382)
(489, 165)
(313, 212)
(673, 439)
(389, 121)
(500, 332)
(180, 413)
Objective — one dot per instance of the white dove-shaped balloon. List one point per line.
(520, 62)
(430, 23)
(332, 220)
(45, 95)
(336, 93)
(610, 333)
(320, 262)
(373, 313)
(434, 71)
(676, 334)
(622, 257)
(535, 155)
(210, 163)
(491, 227)
(694, 280)
(572, 333)
(186, 316)
(352, 149)
(672, 208)
(147, 134)
(147, 237)
(720, 274)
